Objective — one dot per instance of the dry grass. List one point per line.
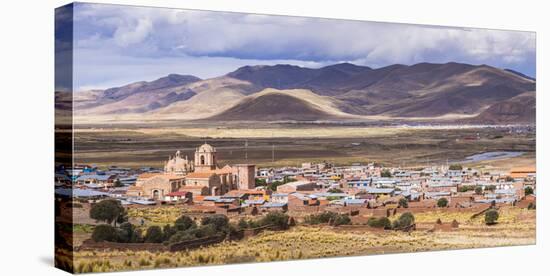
(516, 227)
(155, 215)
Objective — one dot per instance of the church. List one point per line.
(202, 176)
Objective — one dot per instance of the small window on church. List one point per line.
(202, 159)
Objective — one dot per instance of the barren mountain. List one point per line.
(424, 90)
(420, 90)
(275, 105)
(519, 109)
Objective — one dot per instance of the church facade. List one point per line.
(202, 176)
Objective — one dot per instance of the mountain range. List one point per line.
(452, 92)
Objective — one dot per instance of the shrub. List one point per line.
(104, 232)
(341, 220)
(183, 223)
(324, 217)
(109, 211)
(335, 190)
(405, 220)
(455, 167)
(154, 234)
(385, 173)
(168, 231)
(181, 236)
(218, 221)
(242, 223)
(128, 233)
(278, 219)
(528, 190)
(442, 202)
(491, 217)
(382, 222)
(478, 190)
(259, 182)
(291, 222)
(466, 188)
(207, 230)
(531, 206)
(403, 203)
(328, 217)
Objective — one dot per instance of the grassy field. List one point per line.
(516, 227)
(403, 146)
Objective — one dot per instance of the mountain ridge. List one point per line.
(422, 90)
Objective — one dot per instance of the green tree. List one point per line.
(104, 232)
(442, 202)
(259, 182)
(154, 234)
(109, 211)
(385, 173)
(528, 190)
(491, 217)
(118, 183)
(403, 203)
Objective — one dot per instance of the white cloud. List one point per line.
(173, 36)
(127, 35)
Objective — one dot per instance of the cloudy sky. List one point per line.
(116, 45)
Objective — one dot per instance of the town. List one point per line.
(200, 185)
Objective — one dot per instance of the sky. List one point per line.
(116, 45)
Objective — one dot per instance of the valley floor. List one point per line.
(280, 146)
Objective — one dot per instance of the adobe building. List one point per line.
(244, 176)
(178, 164)
(156, 186)
(202, 175)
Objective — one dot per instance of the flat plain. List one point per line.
(277, 146)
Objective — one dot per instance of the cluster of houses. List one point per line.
(311, 187)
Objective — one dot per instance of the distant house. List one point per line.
(296, 186)
(380, 191)
(80, 193)
(272, 206)
(355, 202)
(179, 196)
(279, 198)
(298, 199)
(101, 180)
(524, 172)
